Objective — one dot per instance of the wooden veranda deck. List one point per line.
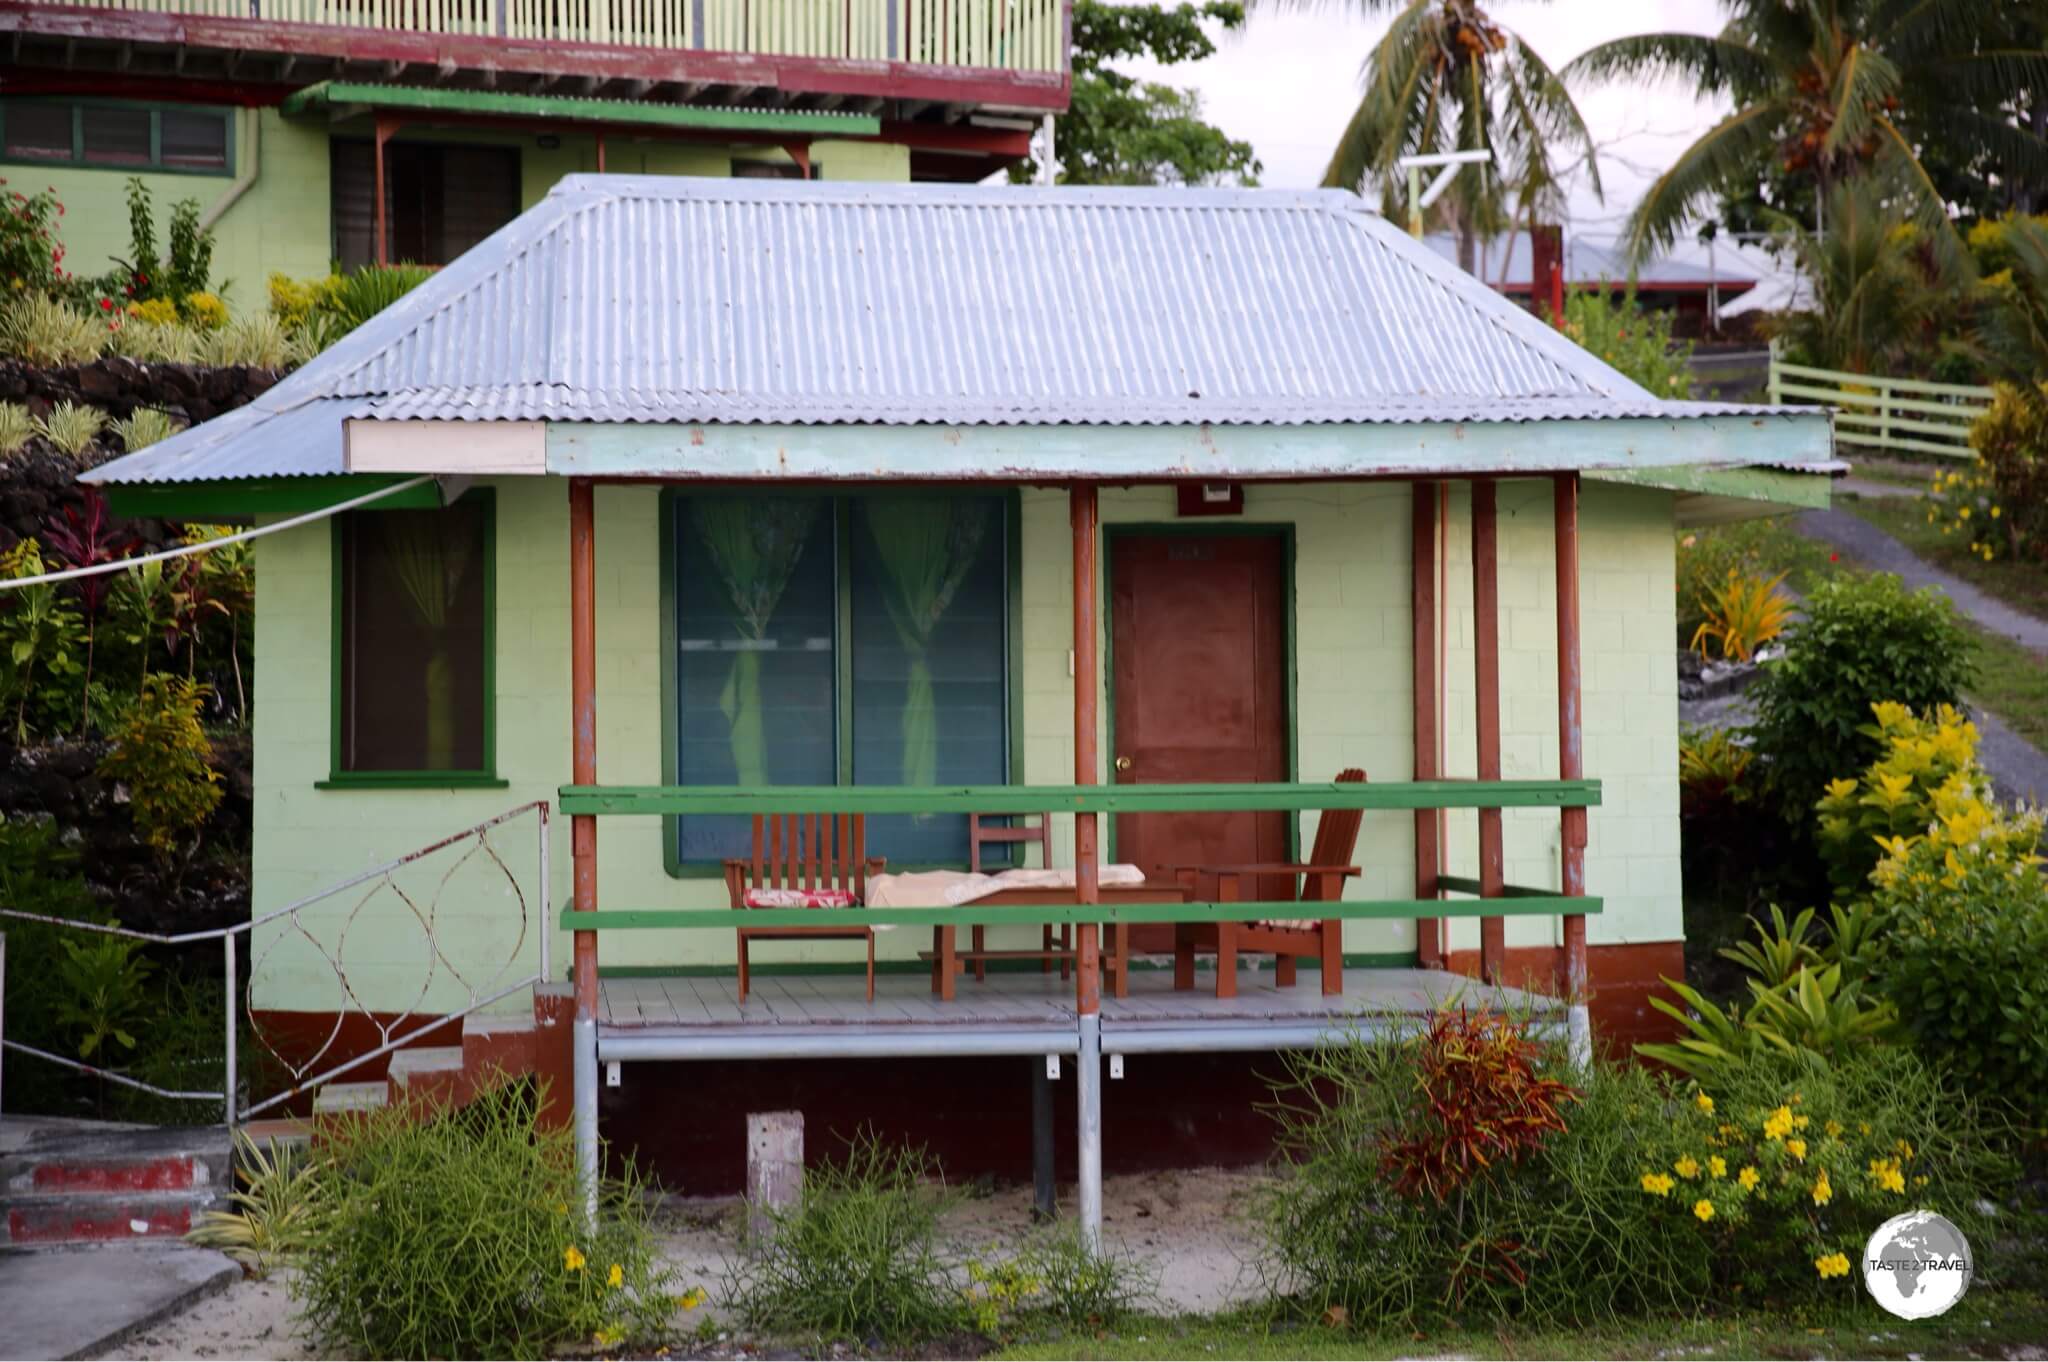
(1013, 1012)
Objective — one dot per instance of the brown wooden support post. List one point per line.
(600, 153)
(1571, 762)
(1429, 931)
(1486, 704)
(583, 827)
(380, 134)
(1084, 513)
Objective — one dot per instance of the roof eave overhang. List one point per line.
(1061, 453)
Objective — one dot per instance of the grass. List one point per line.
(1986, 1324)
(2014, 682)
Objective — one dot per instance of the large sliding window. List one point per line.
(838, 641)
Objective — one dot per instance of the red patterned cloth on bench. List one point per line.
(799, 898)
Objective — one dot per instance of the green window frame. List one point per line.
(155, 165)
(486, 775)
(841, 505)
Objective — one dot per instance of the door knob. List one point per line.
(1123, 763)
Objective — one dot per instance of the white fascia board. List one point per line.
(463, 448)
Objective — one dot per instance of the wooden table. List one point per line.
(948, 961)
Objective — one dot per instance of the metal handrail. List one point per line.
(379, 877)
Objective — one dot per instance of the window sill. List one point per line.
(412, 780)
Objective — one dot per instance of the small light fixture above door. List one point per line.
(1210, 498)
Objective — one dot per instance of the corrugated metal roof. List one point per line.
(666, 299)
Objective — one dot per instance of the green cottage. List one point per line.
(1096, 559)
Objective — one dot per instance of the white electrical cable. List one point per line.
(186, 550)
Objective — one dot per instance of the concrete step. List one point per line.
(434, 1075)
(68, 1186)
(100, 1217)
(335, 1098)
(495, 1043)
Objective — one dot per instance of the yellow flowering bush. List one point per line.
(1998, 506)
(294, 300)
(154, 311)
(1923, 760)
(1819, 1159)
(204, 310)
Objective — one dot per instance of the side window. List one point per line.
(413, 624)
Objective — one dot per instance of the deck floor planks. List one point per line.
(1013, 998)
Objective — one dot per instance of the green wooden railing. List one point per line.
(1896, 415)
(1514, 901)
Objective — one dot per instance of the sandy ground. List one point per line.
(1187, 1227)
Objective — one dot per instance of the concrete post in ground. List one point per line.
(775, 1167)
(585, 1040)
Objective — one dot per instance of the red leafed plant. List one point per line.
(1479, 1102)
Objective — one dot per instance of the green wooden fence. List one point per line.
(1896, 415)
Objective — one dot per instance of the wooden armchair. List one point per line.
(1319, 880)
(1014, 830)
(804, 860)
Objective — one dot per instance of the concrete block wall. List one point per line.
(1352, 657)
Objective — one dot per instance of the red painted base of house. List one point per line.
(1623, 979)
(684, 1124)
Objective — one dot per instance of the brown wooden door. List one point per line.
(1198, 635)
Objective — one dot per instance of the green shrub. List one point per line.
(1857, 642)
(258, 340)
(143, 428)
(163, 755)
(1054, 1280)
(2000, 505)
(1783, 1168)
(169, 342)
(1896, 796)
(857, 1258)
(43, 331)
(278, 1201)
(463, 1236)
(1963, 931)
(15, 428)
(71, 427)
(39, 875)
(1561, 1235)
(1633, 340)
(31, 258)
(41, 645)
(364, 292)
(1750, 548)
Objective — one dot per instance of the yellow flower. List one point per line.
(608, 1338)
(1657, 1184)
(690, 1299)
(1823, 1190)
(561, 1208)
(1749, 1178)
(1705, 1104)
(1801, 1122)
(1996, 512)
(1687, 1167)
(1717, 1166)
(1704, 1209)
(1797, 1149)
(1778, 1124)
(616, 1278)
(1834, 1129)
(1886, 1174)
(1905, 1148)
(1832, 1265)
(572, 1259)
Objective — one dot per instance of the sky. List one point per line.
(1289, 80)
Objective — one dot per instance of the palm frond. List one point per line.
(1713, 65)
(1561, 116)
(1865, 78)
(1898, 159)
(1724, 152)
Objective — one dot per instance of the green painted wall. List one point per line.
(1351, 626)
(281, 222)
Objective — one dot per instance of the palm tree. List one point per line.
(1828, 90)
(1447, 77)
(1873, 301)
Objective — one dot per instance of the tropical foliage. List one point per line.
(1825, 92)
(1448, 76)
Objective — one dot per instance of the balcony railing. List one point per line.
(1009, 35)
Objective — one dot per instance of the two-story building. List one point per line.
(316, 132)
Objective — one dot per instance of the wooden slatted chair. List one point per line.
(1013, 830)
(804, 860)
(1319, 880)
